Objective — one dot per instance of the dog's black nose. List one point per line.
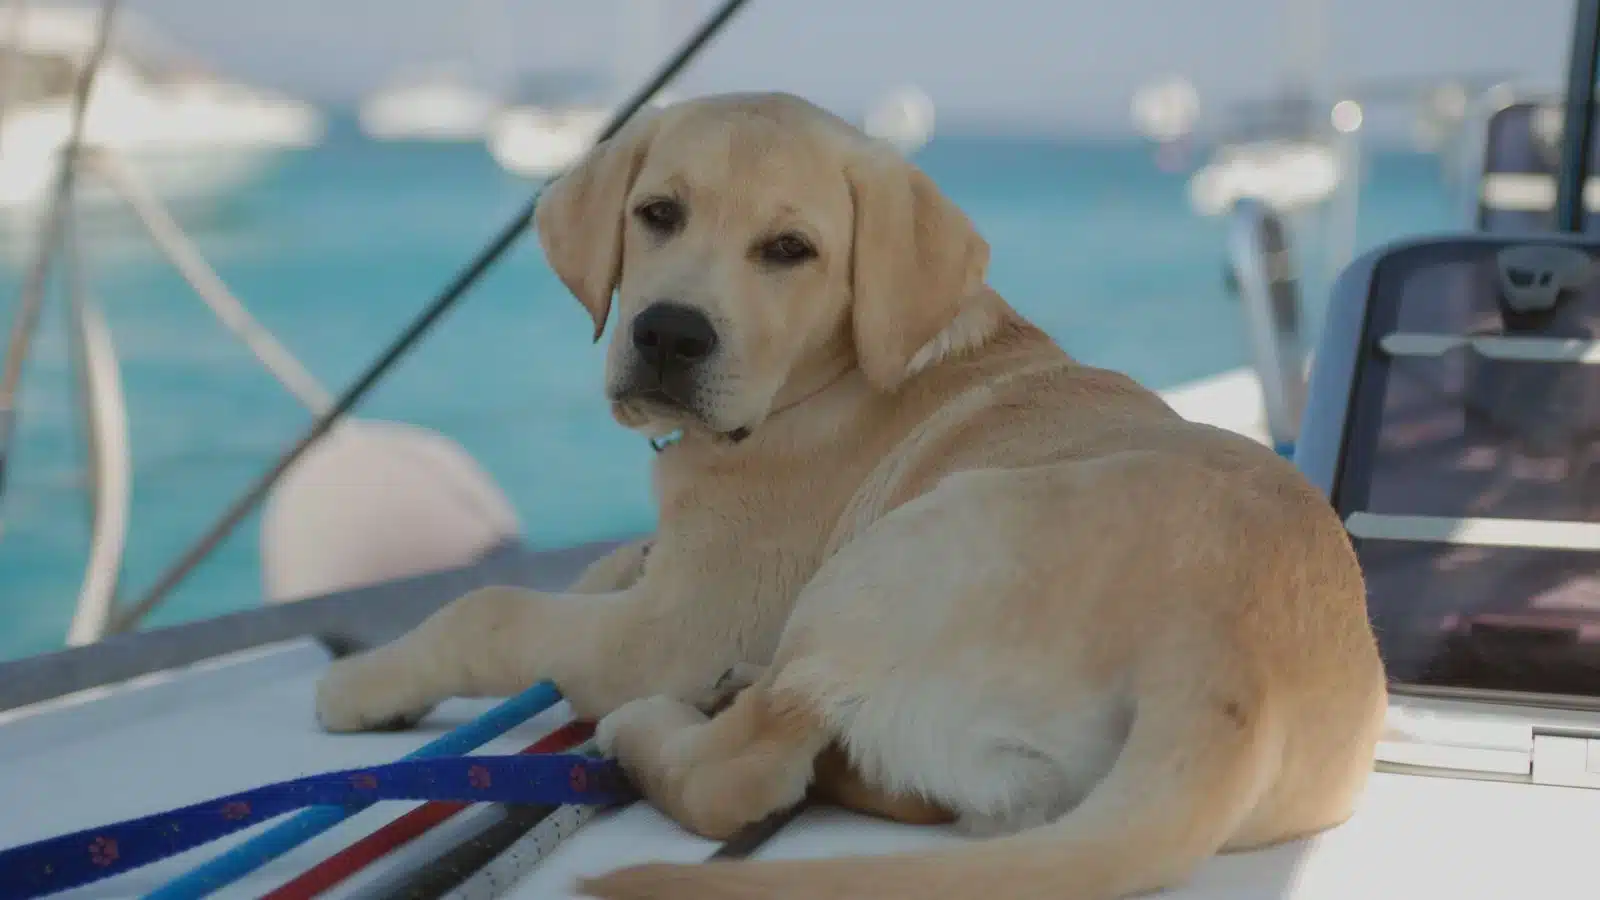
(670, 335)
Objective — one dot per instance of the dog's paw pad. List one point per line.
(357, 694)
(398, 722)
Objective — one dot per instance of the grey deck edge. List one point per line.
(344, 621)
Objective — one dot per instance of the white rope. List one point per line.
(192, 266)
(110, 457)
(31, 301)
(516, 861)
(511, 866)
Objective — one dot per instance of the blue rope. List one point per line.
(84, 857)
(269, 845)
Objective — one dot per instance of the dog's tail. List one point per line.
(1186, 782)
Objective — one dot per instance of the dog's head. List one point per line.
(757, 247)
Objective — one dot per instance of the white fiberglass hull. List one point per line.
(242, 721)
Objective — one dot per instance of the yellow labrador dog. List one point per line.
(1001, 583)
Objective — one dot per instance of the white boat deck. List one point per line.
(187, 735)
(1230, 400)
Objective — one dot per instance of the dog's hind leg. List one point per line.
(715, 776)
(840, 783)
(1188, 783)
(834, 781)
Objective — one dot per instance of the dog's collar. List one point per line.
(658, 444)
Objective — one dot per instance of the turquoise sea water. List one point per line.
(341, 245)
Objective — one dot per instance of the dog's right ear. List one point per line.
(580, 217)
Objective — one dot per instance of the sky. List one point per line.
(1043, 65)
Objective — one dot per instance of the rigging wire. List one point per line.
(31, 300)
(130, 617)
(208, 285)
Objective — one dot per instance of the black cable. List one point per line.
(448, 871)
(754, 836)
(127, 618)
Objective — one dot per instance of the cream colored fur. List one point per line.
(1002, 583)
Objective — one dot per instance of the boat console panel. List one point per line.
(1455, 423)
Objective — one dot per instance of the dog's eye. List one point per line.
(787, 249)
(660, 215)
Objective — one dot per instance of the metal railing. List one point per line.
(1263, 267)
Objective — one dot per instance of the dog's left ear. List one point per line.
(915, 259)
(581, 217)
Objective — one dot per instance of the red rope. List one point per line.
(352, 859)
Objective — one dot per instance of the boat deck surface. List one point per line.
(234, 723)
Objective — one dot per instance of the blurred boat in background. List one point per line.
(191, 134)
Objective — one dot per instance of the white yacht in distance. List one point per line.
(435, 105)
(1286, 174)
(190, 134)
(903, 117)
(556, 116)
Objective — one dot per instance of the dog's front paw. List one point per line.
(363, 694)
(636, 724)
(615, 571)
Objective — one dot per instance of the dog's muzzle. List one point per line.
(671, 343)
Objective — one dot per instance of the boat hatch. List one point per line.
(1469, 479)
